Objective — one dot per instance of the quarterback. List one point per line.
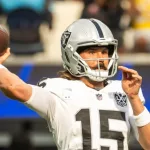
(84, 109)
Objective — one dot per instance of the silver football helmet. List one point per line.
(85, 33)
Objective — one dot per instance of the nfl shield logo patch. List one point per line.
(121, 99)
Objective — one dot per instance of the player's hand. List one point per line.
(131, 82)
(5, 55)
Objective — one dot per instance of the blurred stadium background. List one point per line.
(34, 57)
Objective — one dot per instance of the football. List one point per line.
(4, 39)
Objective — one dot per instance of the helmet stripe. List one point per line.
(100, 33)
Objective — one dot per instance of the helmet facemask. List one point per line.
(101, 72)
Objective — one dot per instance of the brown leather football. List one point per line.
(4, 39)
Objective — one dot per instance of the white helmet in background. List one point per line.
(82, 34)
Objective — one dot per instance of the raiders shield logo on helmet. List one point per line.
(121, 99)
(64, 39)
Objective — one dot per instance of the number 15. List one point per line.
(84, 116)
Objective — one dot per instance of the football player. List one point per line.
(84, 109)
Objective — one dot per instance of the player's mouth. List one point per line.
(101, 66)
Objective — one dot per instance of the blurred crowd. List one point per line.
(123, 17)
(129, 21)
(23, 19)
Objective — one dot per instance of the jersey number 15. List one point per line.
(84, 116)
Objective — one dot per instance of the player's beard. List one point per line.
(102, 66)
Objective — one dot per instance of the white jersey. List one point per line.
(81, 118)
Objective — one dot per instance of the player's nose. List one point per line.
(99, 55)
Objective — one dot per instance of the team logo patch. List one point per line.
(99, 96)
(121, 99)
(64, 39)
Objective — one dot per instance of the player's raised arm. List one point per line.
(131, 83)
(11, 85)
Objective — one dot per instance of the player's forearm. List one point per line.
(13, 87)
(137, 105)
(144, 136)
(144, 131)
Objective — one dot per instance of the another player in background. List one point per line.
(83, 109)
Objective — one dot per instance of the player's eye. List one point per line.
(105, 51)
(91, 51)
